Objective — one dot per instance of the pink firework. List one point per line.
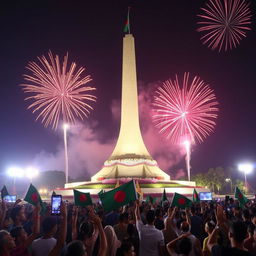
(58, 91)
(224, 23)
(186, 112)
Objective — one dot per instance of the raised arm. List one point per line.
(137, 211)
(170, 246)
(62, 233)
(103, 241)
(74, 222)
(187, 211)
(3, 214)
(213, 238)
(36, 227)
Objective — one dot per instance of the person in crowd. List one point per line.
(159, 222)
(169, 230)
(246, 217)
(148, 233)
(112, 217)
(196, 246)
(112, 241)
(76, 248)
(43, 245)
(22, 240)
(61, 240)
(121, 227)
(182, 244)
(7, 243)
(133, 237)
(196, 224)
(3, 215)
(89, 232)
(237, 233)
(209, 227)
(18, 216)
(126, 249)
(249, 242)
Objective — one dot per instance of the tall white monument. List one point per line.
(130, 158)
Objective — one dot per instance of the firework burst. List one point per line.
(224, 23)
(58, 91)
(186, 112)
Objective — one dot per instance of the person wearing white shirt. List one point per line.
(151, 239)
(43, 245)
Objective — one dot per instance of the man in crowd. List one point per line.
(151, 239)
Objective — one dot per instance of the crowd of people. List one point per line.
(140, 228)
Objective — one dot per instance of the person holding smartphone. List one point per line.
(22, 240)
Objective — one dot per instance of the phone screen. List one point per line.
(56, 203)
(205, 196)
(10, 198)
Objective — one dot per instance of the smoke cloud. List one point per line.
(87, 151)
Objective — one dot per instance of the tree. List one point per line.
(216, 177)
(201, 179)
(240, 184)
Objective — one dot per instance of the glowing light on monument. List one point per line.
(58, 90)
(185, 111)
(224, 23)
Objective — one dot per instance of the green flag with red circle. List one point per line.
(4, 192)
(82, 199)
(196, 198)
(32, 196)
(118, 197)
(240, 197)
(181, 201)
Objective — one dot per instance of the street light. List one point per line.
(65, 128)
(15, 172)
(246, 168)
(229, 180)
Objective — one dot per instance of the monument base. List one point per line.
(146, 187)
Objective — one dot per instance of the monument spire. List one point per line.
(130, 157)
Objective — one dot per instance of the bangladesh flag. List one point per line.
(4, 192)
(118, 197)
(33, 196)
(195, 197)
(150, 199)
(82, 199)
(181, 201)
(127, 24)
(240, 197)
(164, 196)
(101, 192)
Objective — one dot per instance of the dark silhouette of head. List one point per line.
(150, 217)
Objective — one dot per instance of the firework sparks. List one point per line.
(185, 113)
(224, 23)
(58, 91)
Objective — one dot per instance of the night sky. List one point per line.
(166, 44)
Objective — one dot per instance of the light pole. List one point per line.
(65, 128)
(246, 168)
(229, 180)
(31, 172)
(15, 172)
(187, 146)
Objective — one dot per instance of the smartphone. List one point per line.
(10, 198)
(56, 203)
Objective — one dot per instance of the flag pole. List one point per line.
(128, 19)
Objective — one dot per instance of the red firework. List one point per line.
(224, 23)
(186, 112)
(58, 91)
